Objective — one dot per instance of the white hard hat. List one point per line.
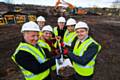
(47, 28)
(71, 21)
(61, 19)
(40, 18)
(81, 24)
(30, 26)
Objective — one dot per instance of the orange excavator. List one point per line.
(71, 7)
(64, 3)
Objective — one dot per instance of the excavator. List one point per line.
(70, 7)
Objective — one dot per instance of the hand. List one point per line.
(58, 56)
(65, 51)
(58, 37)
(62, 44)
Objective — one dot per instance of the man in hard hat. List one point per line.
(41, 22)
(69, 33)
(60, 29)
(30, 57)
(84, 53)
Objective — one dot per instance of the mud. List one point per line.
(105, 30)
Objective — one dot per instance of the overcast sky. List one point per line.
(78, 3)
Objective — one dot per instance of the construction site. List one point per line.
(104, 26)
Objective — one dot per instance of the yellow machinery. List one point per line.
(20, 19)
(31, 17)
(9, 19)
(2, 22)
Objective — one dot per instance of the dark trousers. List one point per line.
(79, 77)
(48, 77)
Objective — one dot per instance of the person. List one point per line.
(48, 41)
(41, 22)
(30, 57)
(60, 29)
(69, 33)
(84, 53)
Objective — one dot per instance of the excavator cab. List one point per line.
(2, 22)
(9, 19)
(20, 19)
(32, 17)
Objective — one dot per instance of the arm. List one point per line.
(88, 55)
(29, 62)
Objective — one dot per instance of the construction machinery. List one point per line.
(20, 19)
(2, 22)
(68, 7)
(9, 19)
(32, 17)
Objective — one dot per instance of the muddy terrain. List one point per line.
(104, 29)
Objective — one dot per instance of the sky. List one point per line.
(77, 3)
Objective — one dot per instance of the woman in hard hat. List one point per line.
(47, 42)
(30, 57)
(70, 33)
(84, 53)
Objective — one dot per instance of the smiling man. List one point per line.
(30, 57)
(84, 53)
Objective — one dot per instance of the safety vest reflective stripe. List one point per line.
(79, 51)
(38, 55)
(83, 47)
(87, 66)
(55, 31)
(27, 48)
(68, 37)
(44, 44)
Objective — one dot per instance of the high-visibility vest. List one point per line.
(88, 69)
(38, 55)
(43, 44)
(40, 34)
(69, 37)
(55, 31)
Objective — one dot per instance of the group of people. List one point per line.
(37, 52)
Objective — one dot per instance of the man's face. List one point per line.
(47, 35)
(61, 25)
(70, 28)
(41, 23)
(81, 33)
(31, 37)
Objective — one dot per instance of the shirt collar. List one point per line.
(84, 38)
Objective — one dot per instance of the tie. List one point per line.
(79, 44)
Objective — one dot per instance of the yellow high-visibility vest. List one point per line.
(43, 44)
(69, 37)
(88, 69)
(38, 55)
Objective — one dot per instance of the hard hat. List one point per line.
(61, 19)
(47, 28)
(71, 21)
(40, 18)
(30, 26)
(81, 24)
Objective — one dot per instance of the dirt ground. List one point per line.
(104, 29)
